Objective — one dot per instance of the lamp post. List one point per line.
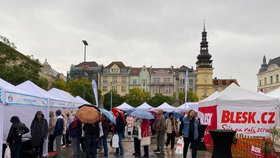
(111, 98)
(84, 74)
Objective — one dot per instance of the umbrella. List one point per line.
(108, 115)
(116, 110)
(88, 114)
(175, 114)
(142, 114)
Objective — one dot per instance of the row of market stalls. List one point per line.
(25, 99)
(164, 106)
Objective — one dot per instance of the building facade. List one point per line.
(221, 84)
(163, 81)
(140, 78)
(268, 76)
(90, 70)
(182, 77)
(115, 77)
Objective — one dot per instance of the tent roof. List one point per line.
(188, 105)
(125, 106)
(11, 88)
(166, 107)
(213, 96)
(237, 96)
(81, 100)
(62, 94)
(275, 93)
(35, 90)
(144, 106)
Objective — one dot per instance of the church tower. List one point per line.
(204, 70)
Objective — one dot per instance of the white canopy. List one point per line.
(125, 106)
(187, 106)
(144, 106)
(166, 107)
(81, 100)
(65, 96)
(238, 96)
(275, 93)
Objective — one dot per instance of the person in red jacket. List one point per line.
(145, 132)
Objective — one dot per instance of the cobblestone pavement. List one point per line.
(129, 150)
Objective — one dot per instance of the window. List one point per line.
(260, 83)
(114, 70)
(105, 79)
(271, 79)
(114, 79)
(277, 78)
(190, 81)
(158, 80)
(123, 88)
(105, 88)
(144, 82)
(224, 82)
(155, 80)
(114, 88)
(167, 90)
(265, 81)
(123, 79)
(191, 89)
(134, 81)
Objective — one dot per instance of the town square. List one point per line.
(139, 79)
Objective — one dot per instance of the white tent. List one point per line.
(35, 90)
(246, 112)
(65, 96)
(166, 107)
(275, 93)
(144, 106)
(124, 106)
(81, 100)
(15, 101)
(188, 106)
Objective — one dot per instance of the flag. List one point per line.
(94, 87)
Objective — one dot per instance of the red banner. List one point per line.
(208, 117)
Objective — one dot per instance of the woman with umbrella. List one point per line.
(119, 129)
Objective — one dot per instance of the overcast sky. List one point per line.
(156, 33)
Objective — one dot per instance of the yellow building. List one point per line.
(204, 70)
(115, 76)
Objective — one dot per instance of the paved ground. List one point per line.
(129, 150)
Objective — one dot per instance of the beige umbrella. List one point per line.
(89, 114)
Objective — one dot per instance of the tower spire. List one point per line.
(204, 58)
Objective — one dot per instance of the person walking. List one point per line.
(52, 122)
(16, 131)
(119, 129)
(39, 132)
(160, 128)
(91, 136)
(58, 131)
(190, 129)
(171, 130)
(75, 132)
(145, 132)
(136, 133)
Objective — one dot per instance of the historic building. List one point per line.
(181, 72)
(90, 70)
(163, 81)
(115, 76)
(268, 76)
(49, 73)
(204, 70)
(140, 78)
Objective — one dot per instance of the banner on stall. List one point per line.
(209, 118)
(253, 121)
(14, 98)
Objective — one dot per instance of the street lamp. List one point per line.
(84, 74)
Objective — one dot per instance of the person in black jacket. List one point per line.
(75, 132)
(119, 129)
(58, 131)
(91, 137)
(39, 132)
(15, 135)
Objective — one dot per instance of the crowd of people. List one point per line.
(67, 129)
